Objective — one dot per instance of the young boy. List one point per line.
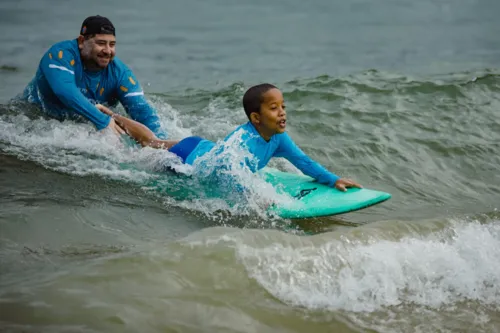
(264, 136)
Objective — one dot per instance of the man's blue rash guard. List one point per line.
(65, 90)
(280, 145)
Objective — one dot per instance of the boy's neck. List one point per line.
(266, 136)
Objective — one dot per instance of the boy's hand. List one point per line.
(342, 183)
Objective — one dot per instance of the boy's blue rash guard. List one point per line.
(280, 145)
(65, 90)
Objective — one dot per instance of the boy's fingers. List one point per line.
(357, 185)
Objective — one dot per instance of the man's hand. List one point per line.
(342, 183)
(104, 109)
(114, 127)
(112, 123)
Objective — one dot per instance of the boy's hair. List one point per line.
(253, 97)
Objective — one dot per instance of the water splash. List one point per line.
(457, 264)
(77, 149)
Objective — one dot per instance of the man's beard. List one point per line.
(93, 62)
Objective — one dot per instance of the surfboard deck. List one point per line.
(310, 199)
(314, 200)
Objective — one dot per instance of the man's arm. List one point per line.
(132, 98)
(57, 67)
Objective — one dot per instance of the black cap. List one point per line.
(97, 24)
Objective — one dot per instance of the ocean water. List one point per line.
(401, 96)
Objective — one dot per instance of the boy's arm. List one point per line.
(132, 98)
(57, 66)
(137, 131)
(289, 150)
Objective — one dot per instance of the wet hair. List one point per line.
(253, 98)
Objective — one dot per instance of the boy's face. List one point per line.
(272, 117)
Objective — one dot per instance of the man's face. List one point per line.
(98, 51)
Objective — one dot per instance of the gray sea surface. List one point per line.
(402, 96)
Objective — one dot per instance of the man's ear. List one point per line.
(80, 40)
(255, 118)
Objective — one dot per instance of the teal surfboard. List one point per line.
(313, 199)
(308, 198)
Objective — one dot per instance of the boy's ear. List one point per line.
(255, 117)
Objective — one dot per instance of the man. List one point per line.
(75, 75)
